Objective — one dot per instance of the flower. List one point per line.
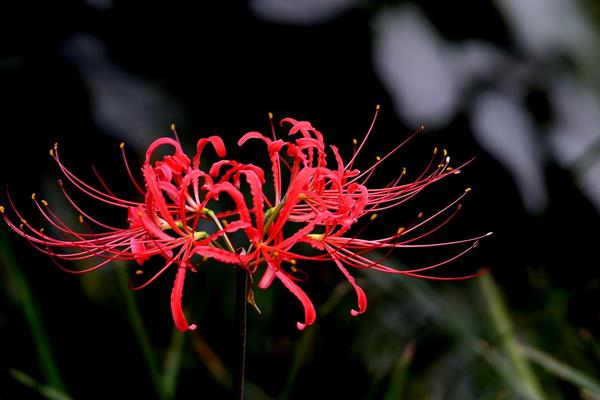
(176, 196)
(188, 214)
(321, 204)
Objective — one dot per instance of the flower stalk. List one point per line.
(241, 314)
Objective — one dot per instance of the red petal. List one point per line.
(360, 293)
(309, 310)
(176, 295)
(138, 248)
(161, 142)
(267, 278)
(220, 255)
(217, 144)
(253, 135)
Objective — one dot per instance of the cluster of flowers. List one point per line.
(189, 213)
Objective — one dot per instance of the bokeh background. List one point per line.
(513, 83)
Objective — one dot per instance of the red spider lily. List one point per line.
(165, 224)
(184, 214)
(320, 204)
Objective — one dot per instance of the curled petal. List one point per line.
(254, 135)
(162, 142)
(309, 309)
(176, 295)
(360, 293)
(217, 144)
(297, 126)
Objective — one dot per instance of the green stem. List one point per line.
(529, 386)
(33, 317)
(139, 331)
(172, 364)
(241, 299)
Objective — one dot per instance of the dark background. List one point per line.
(123, 71)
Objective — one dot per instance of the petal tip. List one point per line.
(300, 326)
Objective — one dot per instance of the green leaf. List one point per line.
(44, 390)
(560, 369)
(33, 317)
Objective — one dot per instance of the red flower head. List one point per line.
(320, 205)
(189, 213)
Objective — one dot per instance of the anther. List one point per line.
(467, 190)
(420, 215)
(435, 150)
(139, 272)
(377, 107)
(270, 115)
(378, 158)
(373, 217)
(354, 142)
(60, 182)
(2, 209)
(400, 231)
(33, 196)
(445, 152)
(51, 152)
(293, 262)
(81, 219)
(294, 269)
(403, 170)
(122, 145)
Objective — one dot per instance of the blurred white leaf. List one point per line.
(300, 12)
(576, 120)
(123, 105)
(576, 133)
(546, 26)
(589, 183)
(101, 5)
(411, 61)
(425, 75)
(506, 130)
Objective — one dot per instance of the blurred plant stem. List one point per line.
(241, 314)
(560, 369)
(44, 390)
(399, 374)
(137, 325)
(524, 379)
(34, 319)
(172, 364)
